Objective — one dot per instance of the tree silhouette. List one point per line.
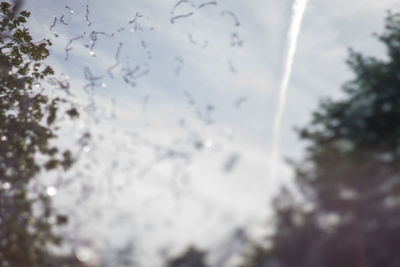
(192, 257)
(27, 117)
(349, 215)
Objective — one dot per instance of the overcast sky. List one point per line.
(181, 113)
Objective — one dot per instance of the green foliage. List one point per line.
(27, 116)
(350, 179)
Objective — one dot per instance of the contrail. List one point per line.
(298, 9)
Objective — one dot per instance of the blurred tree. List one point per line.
(349, 215)
(192, 257)
(27, 117)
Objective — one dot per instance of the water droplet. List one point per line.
(208, 143)
(51, 191)
(9, 171)
(104, 85)
(198, 145)
(6, 186)
(231, 162)
(3, 138)
(347, 194)
(71, 11)
(52, 220)
(84, 254)
(92, 53)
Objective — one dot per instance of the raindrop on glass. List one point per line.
(198, 145)
(52, 220)
(208, 143)
(84, 254)
(92, 53)
(231, 162)
(6, 186)
(3, 138)
(51, 191)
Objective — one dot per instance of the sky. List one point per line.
(178, 101)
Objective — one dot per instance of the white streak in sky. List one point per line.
(298, 9)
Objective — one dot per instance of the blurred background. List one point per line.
(200, 133)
